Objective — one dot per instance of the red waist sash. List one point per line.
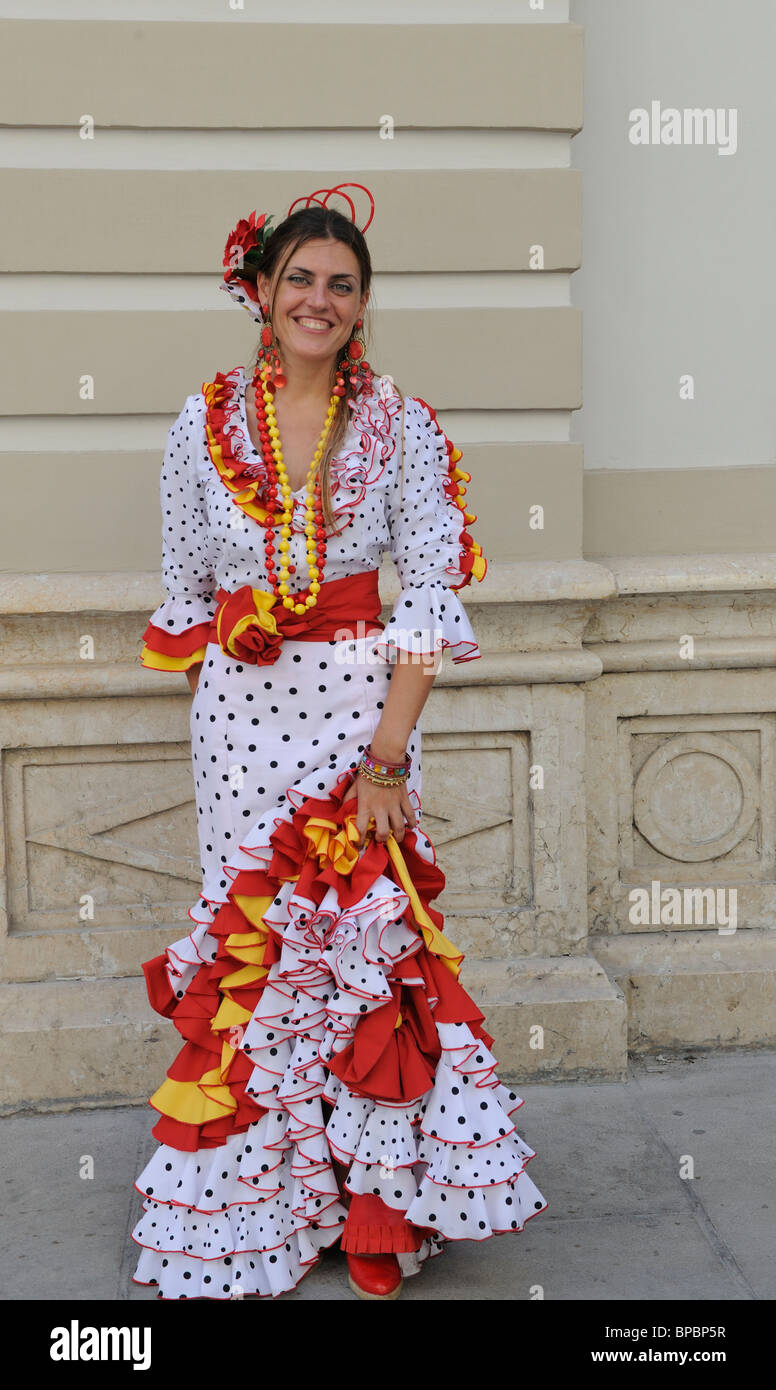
(251, 624)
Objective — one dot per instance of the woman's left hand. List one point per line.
(387, 806)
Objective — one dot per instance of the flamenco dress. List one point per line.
(317, 997)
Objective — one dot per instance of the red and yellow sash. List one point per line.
(250, 624)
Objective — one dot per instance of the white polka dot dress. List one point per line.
(317, 997)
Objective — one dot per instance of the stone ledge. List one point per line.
(672, 574)
(507, 581)
(709, 654)
(86, 1039)
(694, 988)
(61, 682)
(673, 952)
(73, 1040)
(581, 1010)
(542, 581)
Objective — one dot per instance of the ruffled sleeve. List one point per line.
(177, 632)
(433, 551)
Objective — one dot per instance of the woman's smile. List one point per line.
(311, 325)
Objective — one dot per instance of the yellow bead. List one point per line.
(311, 602)
(315, 588)
(283, 588)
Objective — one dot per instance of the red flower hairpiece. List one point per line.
(245, 245)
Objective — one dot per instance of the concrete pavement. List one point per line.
(622, 1222)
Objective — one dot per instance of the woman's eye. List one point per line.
(339, 284)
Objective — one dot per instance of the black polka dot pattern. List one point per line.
(208, 541)
(253, 1214)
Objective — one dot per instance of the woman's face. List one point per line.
(317, 301)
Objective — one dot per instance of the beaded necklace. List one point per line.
(315, 530)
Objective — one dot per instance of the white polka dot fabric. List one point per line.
(208, 541)
(253, 1214)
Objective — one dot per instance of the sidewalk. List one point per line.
(621, 1223)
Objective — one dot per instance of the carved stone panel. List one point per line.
(691, 807)
(696, 795)
(470, 784)
(98, 836)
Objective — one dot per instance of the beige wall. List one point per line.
(112, 246)
(677, 279)
(112, 250)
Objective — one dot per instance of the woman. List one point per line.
(336, 1081)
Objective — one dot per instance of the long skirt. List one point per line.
(320, 1007)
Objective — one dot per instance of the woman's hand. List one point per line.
(192, 676)
(387, 805)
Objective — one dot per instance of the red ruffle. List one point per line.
(383, 1062)
(372, 413)
(176, 643)
(374, 1228)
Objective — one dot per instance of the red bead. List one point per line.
(266, 336)
(355, 349)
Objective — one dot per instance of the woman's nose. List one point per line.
(318, 295)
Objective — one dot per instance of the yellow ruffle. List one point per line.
(438, 944)
(188, 1102)
(158, 661)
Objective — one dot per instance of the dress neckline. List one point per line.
(368, 444)
(244, 384)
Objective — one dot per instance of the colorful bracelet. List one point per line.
(382, 772)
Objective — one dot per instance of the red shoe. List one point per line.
(374, 1276)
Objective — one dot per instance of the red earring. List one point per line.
(268, 353)
(354, 363)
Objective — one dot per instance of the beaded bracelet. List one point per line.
(383, 773)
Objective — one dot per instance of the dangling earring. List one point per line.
(268, 353)
(354, 363)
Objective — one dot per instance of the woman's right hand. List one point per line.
(192, 676)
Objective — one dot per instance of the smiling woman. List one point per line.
(336, 1082)
(311, 308)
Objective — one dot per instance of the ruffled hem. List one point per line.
(244, 473)
(177, 634)
(322, 975)
(426, 619)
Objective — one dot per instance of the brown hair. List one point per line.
(302, 226)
